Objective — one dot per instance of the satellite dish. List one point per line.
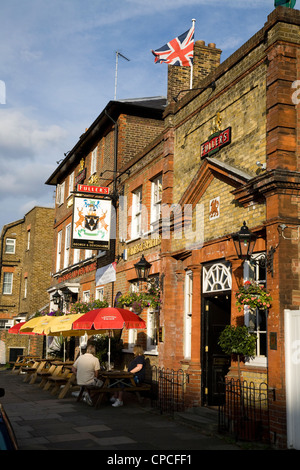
(284, 3)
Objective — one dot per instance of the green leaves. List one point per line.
(237, 340)
(84, 307)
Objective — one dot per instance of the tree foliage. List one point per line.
(237, 340)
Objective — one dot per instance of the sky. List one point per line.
(57, 73)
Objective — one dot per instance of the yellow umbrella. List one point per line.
(63, 326)
(37, 324)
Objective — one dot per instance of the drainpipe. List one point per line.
(114, 196)
(115, 157)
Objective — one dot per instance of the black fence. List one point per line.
(245, 411)
(168, 389)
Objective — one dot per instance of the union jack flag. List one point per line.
(179, 51)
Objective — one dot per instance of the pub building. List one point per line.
(210, 200)
(83, 264)
(139, 238)
(243, 195)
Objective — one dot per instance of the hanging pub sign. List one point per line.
(216, 142)
(91, 223)
(82, 172)
(81, 176)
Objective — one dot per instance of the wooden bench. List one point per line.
(23, 361)
(97, 393)
(45, 373)
(57, 371)
(30, 371)
(39, 368)
(69, 384)
(60, 380)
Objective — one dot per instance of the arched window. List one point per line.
(216, 277)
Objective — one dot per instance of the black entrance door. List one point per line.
(215, 362)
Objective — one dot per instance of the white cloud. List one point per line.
(231, 42)
(28, 154)
(23, 136)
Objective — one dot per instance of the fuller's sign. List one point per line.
(85, 188)
(216, 142)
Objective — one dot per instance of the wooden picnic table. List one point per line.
(31, 371)
(40, 365)
(59, 376)
(23, 360)
(114, 381)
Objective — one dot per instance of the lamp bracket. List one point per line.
(265, 260)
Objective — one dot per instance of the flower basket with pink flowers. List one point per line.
(253, 295)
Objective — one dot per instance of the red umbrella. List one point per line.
(16, 329)
(107, 319)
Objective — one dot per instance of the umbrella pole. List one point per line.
(109, 336)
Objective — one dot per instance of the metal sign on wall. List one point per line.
(216, 142)
(91, 223)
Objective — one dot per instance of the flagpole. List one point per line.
(191, 77)
(116, 72)
(116, 75)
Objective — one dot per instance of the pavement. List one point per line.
(41, 421)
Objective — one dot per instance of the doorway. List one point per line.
(215, 364)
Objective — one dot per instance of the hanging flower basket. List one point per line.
(253, 295)
(53, 313)
(84, 307)
(140, 300)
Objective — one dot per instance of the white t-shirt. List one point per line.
(86, 365)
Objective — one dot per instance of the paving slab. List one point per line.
(43, 422)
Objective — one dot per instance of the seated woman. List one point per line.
(136, 367)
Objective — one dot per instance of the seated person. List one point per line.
(86, 367)
(136, 367)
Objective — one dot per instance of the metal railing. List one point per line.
(245, 411)
(168, 389)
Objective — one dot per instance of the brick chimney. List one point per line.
(206, 59)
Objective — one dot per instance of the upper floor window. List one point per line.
(136, 219)
(76, 255)
(71, 184)
(156, 194)
(94, 161)
(67, 246)
(10, 245)
(28, 239)
(7, 283)
(58, 250)
(25, 287)
(60, 193)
